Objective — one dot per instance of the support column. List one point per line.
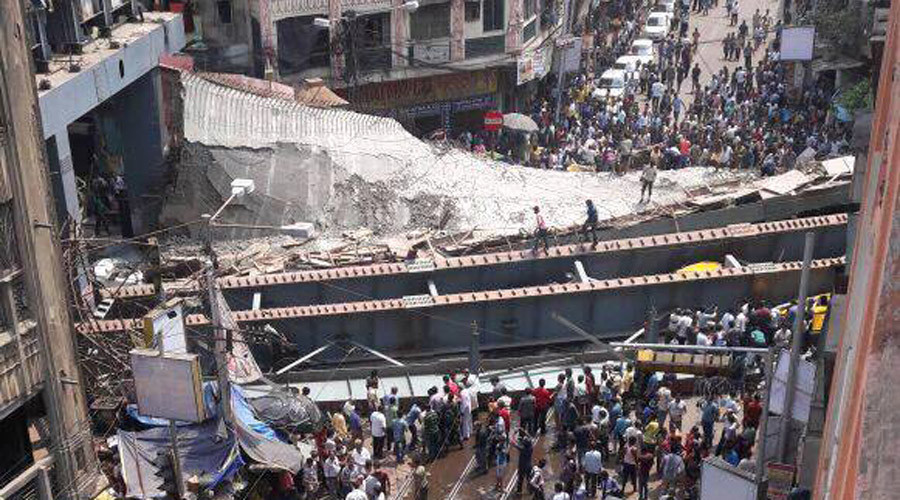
(457, 30)
(337, 48)
(67, 175)
(399, 35)
(514, 27)
(269, 41)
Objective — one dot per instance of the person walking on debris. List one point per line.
(590, 223)
(648, 177)
(540, 236)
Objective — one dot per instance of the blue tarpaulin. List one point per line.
(255, 437)
(200, 451)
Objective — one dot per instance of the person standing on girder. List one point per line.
(590, 223)
(540, 235)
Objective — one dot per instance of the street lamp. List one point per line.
(239, 188)
(223, 337)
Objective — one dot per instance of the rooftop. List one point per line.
(99, 49)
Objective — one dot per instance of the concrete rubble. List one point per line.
(378, 194)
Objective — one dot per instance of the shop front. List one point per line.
(452, 103)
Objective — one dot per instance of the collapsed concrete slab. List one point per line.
(345, 170)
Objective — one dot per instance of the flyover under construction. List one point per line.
(428, 306)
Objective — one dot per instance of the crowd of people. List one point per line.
(616, 433)
(748, 117)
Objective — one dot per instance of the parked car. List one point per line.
(612, 83)
(631, 65)
(657, 26)
(664, 8)
(643, 49)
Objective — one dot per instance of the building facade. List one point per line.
(46, 448)
(857, 457)
(439, 66)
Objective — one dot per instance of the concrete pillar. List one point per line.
(67, 175)
(268, 41)
(399, 35)
(337, 51)
(457, 30)
(515, 26)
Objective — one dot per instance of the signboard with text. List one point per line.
(533, 64)
(493, 120)
(413, 91)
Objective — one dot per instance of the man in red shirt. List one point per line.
(752, 411)
(542, 399)
(452, 385)
(684, 147)
(590, 386)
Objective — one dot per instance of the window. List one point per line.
(473, 11)
(224, 8)
(430, 21)
(530, 7)
(302, 45)
(492, 18)
(374, 30)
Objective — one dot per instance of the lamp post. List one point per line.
(239, 188)
(221, 335)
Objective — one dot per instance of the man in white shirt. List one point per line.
(684, 327)
(560, 492)
(331, 468)
(702, 339)
(740, 322)
(379, 423)
(677, 409)
(465, 414)
(358, 493)
(358, 457)
(783, 337)
(592, 464)
(536, 479)
(663, 398)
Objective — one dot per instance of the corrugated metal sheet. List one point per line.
(216, 115)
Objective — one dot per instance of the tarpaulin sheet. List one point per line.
(258, 440)
(199, 450)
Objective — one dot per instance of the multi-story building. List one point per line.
(432, 63)
(96, 69)
(46, 446)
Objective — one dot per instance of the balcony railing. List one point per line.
(33, 483)
(21, 364)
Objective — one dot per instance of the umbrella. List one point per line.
(520, 122)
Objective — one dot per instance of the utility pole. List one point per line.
(474, 349)
(561, 51)
(762, 432)
(219, 336)
(173, 436)
(39, 257)
(796, 345)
